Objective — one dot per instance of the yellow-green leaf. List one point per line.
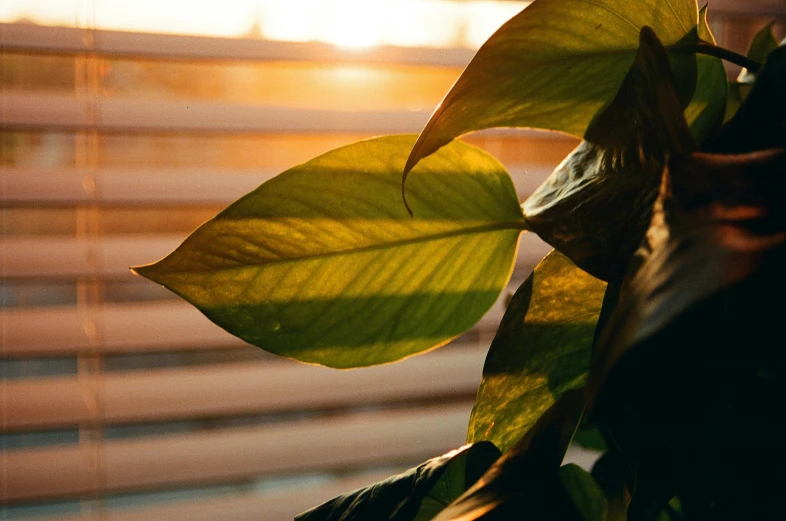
(541, 351)
(553, 66)
(323, 263)
(705, 112)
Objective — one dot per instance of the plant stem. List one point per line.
(707, 48)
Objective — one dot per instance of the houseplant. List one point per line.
(667, 227)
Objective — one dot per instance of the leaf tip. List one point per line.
(145, 271)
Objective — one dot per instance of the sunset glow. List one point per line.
(346, 23)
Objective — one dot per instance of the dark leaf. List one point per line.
(596, 205)
(541, 350)
(762, 44)
(525, 482)
(689, 380)
(584, 492)
(615, 478)
(760, 121)
(411, 495)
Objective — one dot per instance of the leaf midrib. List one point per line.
(508, 225)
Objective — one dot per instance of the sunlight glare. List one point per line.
(355, 23)
(345, 23)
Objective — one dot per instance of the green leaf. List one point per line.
(461, 472)
(704, 114)
(585, 493)
(553, 66)
(615, 172)
(323, 264)
(411, 496)
(762, 44)
(541, 351)
(525, 482)
(590, 437)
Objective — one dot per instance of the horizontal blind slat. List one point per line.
(39, 110)
(120, 328)
(126, 186)
(274, 505)
(26, 37)
(26, 110)
(164, 186)
(234, 389)
(232, 455)
(65, 256)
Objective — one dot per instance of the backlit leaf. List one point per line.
(554, 66)
(541, 351)
(411, 496)
(323, 263)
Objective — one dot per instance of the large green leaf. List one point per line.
(705, 112)
(323, 264)
(541, 351)
(615, 172)
(526, 482)
(416, 495)
(553, 66)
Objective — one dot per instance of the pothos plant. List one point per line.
(656, 318)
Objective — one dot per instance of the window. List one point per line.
(121, 132)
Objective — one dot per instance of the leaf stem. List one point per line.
(709, 49)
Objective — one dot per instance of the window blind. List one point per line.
(120, 402)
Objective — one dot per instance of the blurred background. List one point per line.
(127, 124)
